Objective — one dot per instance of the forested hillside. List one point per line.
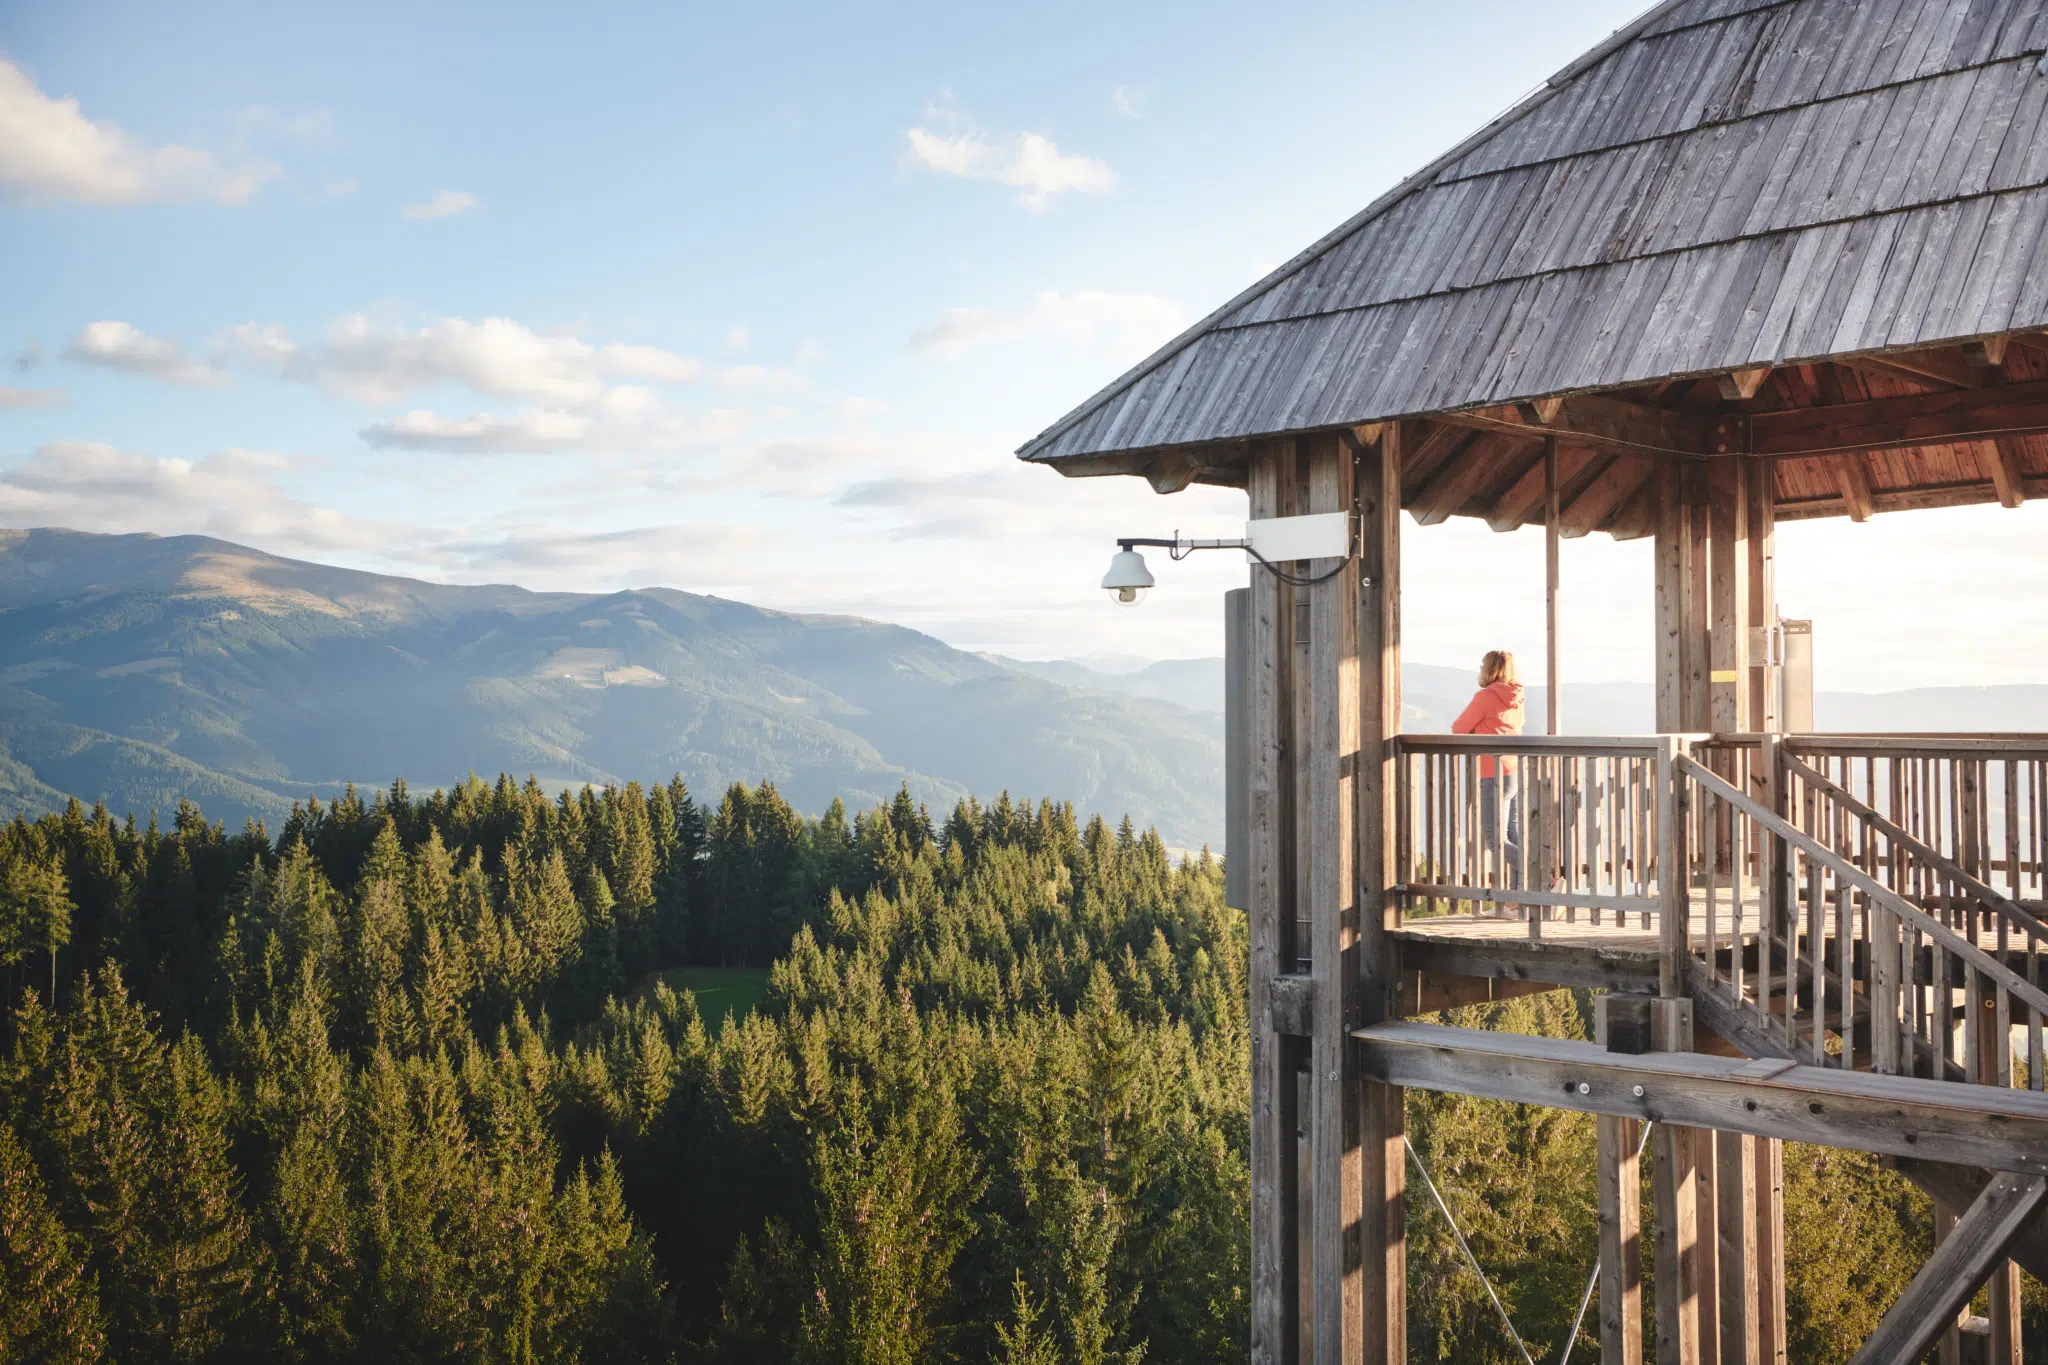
(403, 1083)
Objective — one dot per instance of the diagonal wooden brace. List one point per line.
(1980, 1240)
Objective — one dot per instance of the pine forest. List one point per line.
(409, 1081)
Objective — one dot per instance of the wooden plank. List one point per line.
(1621, 1241)
(1461, 478)
(1895, 423)
(1328, 892)
(1739, 386)
(1382, 1235)
(1674, 926)
(1941, 365)
(2000, 461)
(1592, 505)
(1427, 992)
(1854, 478)
(1513, 508)
(1614, 426)
(1763, 594)
(1950, 1277)
(1275, 1246)
(1959, 1186)
(1900, 1116)
(1545, 961)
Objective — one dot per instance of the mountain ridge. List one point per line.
(276, 677)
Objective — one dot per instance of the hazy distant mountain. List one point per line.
(138, 669)
(1433, 694)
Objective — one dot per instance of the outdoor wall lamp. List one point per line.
(1270, 541)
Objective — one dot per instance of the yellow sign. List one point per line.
(1724, 675)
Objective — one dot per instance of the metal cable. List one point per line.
(1594, 1278)
(1465, 1247)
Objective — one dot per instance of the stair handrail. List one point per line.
(1981, 891)
(1855, 876)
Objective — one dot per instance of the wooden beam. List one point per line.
(1739, 386)
(1854, 477)
(1423, 456)
(1513, 509)
(1540, 412)
(1951, 1275)
(1971, 494)
(1910, 420)
(1547, 963)
(1890, 1115)
(1594, 503)
(1459, 479)
(1615, 427)
(1427, 992)
(1959, 1186)
(1988, 354)
(2000, 461)
(1939, 366)
(1736, 1251)
(1674, 1185)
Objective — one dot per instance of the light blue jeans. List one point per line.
(1497, 796)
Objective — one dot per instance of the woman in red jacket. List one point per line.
(1496, 709)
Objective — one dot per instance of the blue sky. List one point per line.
(755, 300)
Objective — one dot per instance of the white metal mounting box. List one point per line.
(1319, 535)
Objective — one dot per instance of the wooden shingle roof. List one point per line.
(1722, 184)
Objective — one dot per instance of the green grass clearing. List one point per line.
(720, 991)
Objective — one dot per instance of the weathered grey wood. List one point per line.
(1540, 961)
(1329, 889)
(1959, 1186)
(1621, 1241)
(1275, 1244)
(1674, 913)
(1293, 1004)
(1770, 1221)
(1706, 1228)
(1676, 1252)
(1965, 1258)
(1552, 511)
(1237, 747)
(1735, 1186)
(1899, 1116)
(1384, 1299)
(1429, 992)
(1728, 596)
(1763, 595)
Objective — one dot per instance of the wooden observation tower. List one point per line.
(1747, 261)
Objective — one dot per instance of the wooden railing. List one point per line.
(1872, 901)
(1528, 828)
(1837, 964)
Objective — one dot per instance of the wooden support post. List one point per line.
(1681, 600)
(1621, 1242)
(1673, 874)
(1706, 1174)
(1736, 1230)
(1763, 596)
(1275, 1316)
(1675, 1190)
(1770, 1250)
(1327, 765)
(1553, 697)
(1728, 595)
(1383, 1128)
(1994, 1067)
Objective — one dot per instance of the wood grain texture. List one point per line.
(1962, 1262)
(1621, 1241)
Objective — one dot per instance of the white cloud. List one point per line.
(49, 151)
(365, 362)
(1129, 102)
(119, 345)
(1028, 162)
(625, 420)
(29, 398)
(1132, 325)
(90, 485)
(858, 407)
(444, 204)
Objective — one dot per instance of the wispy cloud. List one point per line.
(234, 494)
(443, 204)
(1130, 101)
(1028, 162)
(1131, 325)
(117, 345)
(30, 398)
(50, 152)
(624, 420)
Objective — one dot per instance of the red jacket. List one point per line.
(1493, 710)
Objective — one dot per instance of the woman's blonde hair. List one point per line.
(1497, 666)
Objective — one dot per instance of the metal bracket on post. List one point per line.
(1293, 997)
